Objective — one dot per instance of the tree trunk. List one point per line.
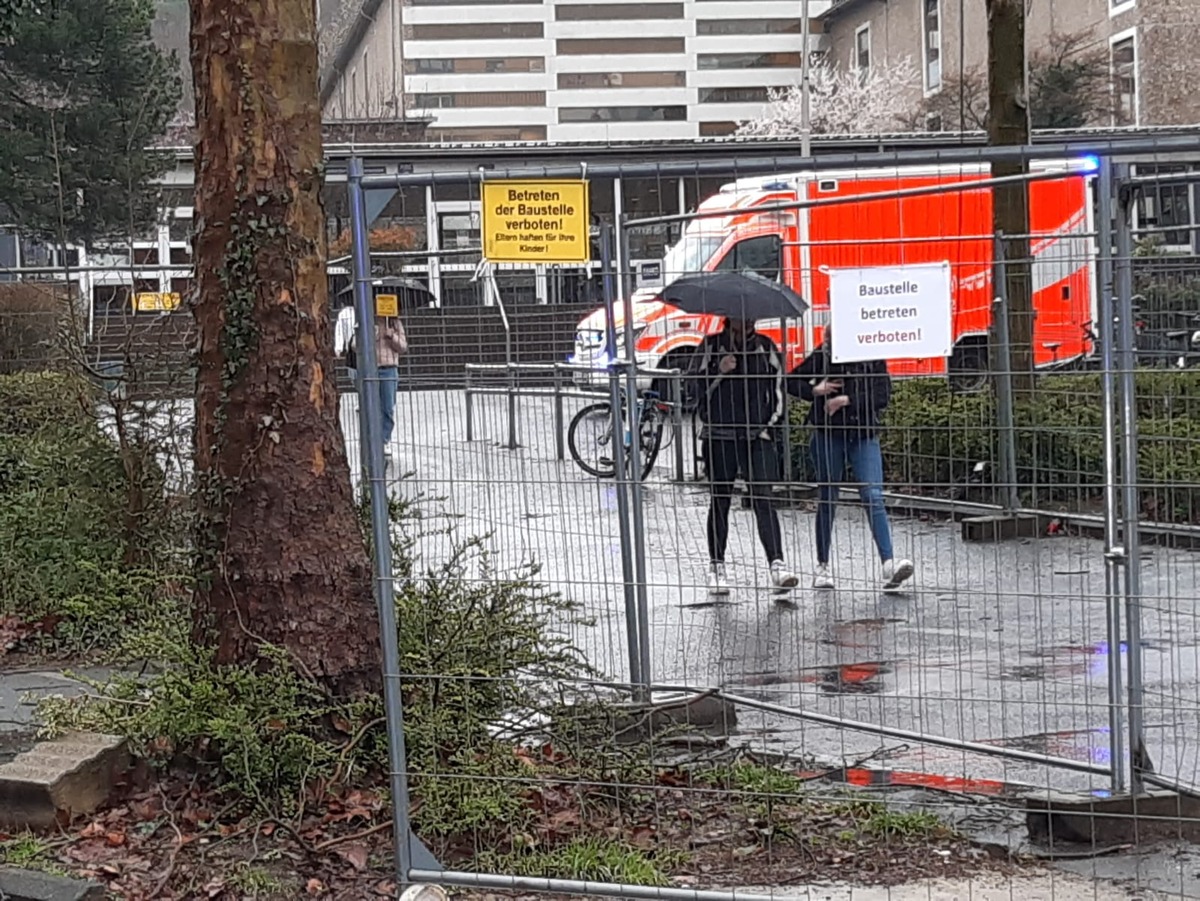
(281, 557)
(1008, 124)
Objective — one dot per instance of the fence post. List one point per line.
(1004, 391)
(371, 424)
(1112, 553)
(624, 520)
(788, 474)
(1131, 506)
(635, 459)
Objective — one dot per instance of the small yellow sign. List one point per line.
(387, 305)
(536, 222)
(153, 301)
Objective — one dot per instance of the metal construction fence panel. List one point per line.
(572, 708)
(1043, 644)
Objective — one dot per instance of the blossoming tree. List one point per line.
(879, 100)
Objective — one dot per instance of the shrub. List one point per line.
(934, 438)
(64, 495)
(32, 317)
(478, 647)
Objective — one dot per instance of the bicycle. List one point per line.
(590, 436)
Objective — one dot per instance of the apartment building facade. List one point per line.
(561, 70)
(1149, 44)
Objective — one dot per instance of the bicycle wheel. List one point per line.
(651, 428)
(590, 440)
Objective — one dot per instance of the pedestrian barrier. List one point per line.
(561, 377)
(1064, 293)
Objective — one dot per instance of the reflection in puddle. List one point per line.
(1066, 661)
(1087, 745)
(847, 678)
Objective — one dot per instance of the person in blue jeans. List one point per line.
(391, 343)
(847, 401)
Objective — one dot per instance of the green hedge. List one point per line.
(934, 438)
(62, 495)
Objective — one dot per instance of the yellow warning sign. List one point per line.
(152, 301)
(536, 222)
(387, 305)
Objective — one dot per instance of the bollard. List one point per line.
(512, 407)
(470, 405)
(677, 420)
(559, 437)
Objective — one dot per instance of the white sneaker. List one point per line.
(780, 577)
(823, 578)
(717, 585)
(896, 573)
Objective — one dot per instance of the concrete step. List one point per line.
(60, 779)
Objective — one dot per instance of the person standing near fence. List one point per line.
(738, 381)
(391, 343)
(847, 401)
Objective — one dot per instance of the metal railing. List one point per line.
(561, 388)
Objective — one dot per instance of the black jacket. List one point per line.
(750, 399)
(868, 386)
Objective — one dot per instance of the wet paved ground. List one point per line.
(1003, 644)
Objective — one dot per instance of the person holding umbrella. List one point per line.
(738, 375)
(847, 403)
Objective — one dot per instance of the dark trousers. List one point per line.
(757, 460)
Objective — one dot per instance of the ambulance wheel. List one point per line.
(969, 371)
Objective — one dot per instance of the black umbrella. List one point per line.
(734, 295)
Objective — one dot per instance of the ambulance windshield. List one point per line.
(690, 254)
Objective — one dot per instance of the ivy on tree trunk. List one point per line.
(280, 554)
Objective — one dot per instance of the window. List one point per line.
(1166, 204)
(622, 114)
(748, 26)
(366, 99)
(487, 135)
(1123, 50)
(762, 255)
(717, 129)
(616, 12)
(473, 2)
(862, 50)
(477, 99)
(472, 65)
(580, 80)
(606, 46)
(933, 46)
(1116, 7)
(748, 61)
(473, 31)
(734, 95)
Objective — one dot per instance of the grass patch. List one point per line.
(27, 851)
(588, 859)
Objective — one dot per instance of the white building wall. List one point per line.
(657, 106)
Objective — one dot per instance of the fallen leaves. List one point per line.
(179, 841)
(14, 630)
(355, 854)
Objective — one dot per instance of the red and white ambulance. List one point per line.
(801, 247)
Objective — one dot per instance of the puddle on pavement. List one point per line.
(1084, 745)
(1066, 661)
(863, 777)
(844, 679)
